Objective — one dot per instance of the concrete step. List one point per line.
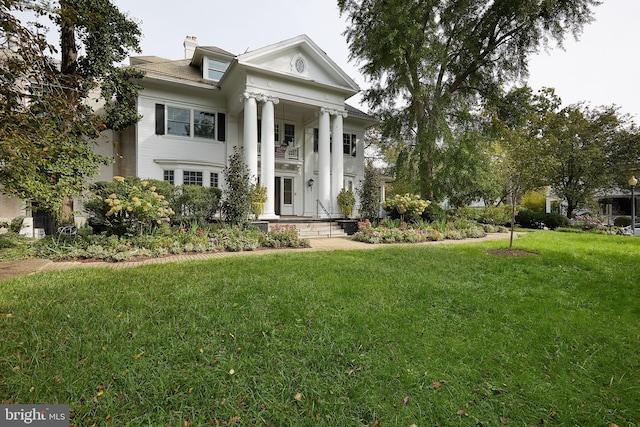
(317, 229)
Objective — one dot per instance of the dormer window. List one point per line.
(215, 69)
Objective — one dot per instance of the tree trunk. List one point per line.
(68, 67)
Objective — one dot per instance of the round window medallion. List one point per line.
(300, 65)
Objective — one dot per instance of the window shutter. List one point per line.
(159, 119)
(222, 130)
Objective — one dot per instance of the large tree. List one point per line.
(48, 115)
(585, 153)
(430, 60)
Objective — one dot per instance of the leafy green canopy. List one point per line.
(433, 61)
(48, 119)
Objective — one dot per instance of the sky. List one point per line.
(602, 68)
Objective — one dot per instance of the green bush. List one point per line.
(538, 220)
(622, 221)
(434, 212)
(496, 215)
(554, 220)
(16, 224)
(194, 204)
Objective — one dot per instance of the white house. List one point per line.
(284, 104)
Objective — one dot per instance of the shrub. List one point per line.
(554, 220)
(530, 219)
(16, 224)
(622, 221)
(126, 205)
(195, 204)
(496, 215)
(408, 207)
(434, 212)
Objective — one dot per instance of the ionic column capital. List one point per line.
(259, 97)
(334, 111)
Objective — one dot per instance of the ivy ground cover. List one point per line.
(398, 336)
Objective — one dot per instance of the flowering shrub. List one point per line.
(588, 222)
(408, 205)
(127, 205)
(283, 236)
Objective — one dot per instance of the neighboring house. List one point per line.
(284, 104)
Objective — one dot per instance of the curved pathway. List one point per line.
(9, 269)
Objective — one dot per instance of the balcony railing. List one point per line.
(284, 153)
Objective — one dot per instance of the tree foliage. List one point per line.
(432, 61)
(583, 152)
(48, 120)
(369, 193)
(236, 204)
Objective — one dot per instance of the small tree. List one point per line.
(369, 193)
(236, 204)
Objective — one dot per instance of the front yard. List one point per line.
(411, 335)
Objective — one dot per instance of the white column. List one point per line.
(251, 134)
(267, 157)
(324, 161)
(337, 162)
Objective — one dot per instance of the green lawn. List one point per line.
(427, 335)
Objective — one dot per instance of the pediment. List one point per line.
(299, 58)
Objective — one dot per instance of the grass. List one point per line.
(425, 335)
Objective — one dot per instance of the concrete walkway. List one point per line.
(10, 269)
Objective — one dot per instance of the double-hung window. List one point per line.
(349, 144)
(204, 125)
(178, 121)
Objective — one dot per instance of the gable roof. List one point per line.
(279, 58)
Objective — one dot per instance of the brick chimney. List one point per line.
(190, 44)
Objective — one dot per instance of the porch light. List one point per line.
(310, 183)
(633, 182)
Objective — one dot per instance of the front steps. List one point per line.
(313, 229)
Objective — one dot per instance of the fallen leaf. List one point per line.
(376, 423)
(461, 412)
(503, 420)
(436, 384)
(138, 356)
(100, 393)
(298, 397)
(406, 400)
